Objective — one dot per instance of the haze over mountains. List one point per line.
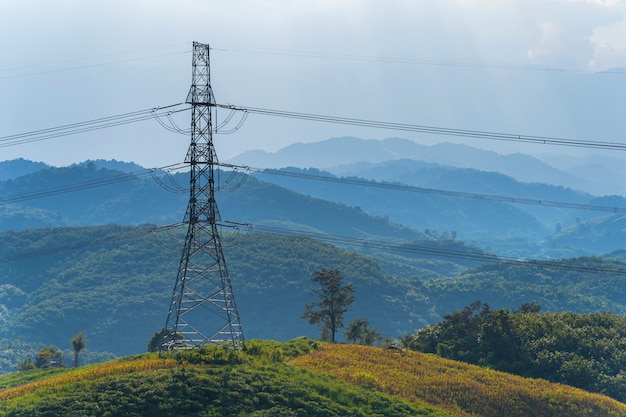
(411, 253)
(596, 175)
(513, 205)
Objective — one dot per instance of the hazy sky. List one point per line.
(450, 63)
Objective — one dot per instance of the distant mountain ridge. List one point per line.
(90, 193)
(19, 167)
(84, 194)
(339, 155)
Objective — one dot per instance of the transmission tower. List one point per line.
(203, 307)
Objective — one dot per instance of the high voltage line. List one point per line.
(404, 60)
(410, 248)
(86, 243)
(91, 184)
(76, 63)
(411, 188)
(141, 115)
(433, 130)
(132, 117)
(426, 250)
(341, 180)
(88, 126)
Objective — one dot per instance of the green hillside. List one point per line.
(82, 195)
(101, 192)
(460, 389)
(581, 350)
(212, 381)
(584, 285)
(118, 280)
(300, 378)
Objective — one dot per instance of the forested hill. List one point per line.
(88, 195)
(582, 350)
(117, 280)
(101, 192)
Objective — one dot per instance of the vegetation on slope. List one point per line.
(100, 281)
(461, 389)
(582, 350)
(580, 285)
(211, 381)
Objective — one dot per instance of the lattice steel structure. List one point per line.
(203, 307)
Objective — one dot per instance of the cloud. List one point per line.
(609, 43)
(577, 34)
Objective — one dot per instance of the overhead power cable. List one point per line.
(406, 60)
(430, 251)
(78, 67)
(158, 112)
(87, 243)
(90, 125)
(411, 188)
(433, 130)
(90, 184)
(348, 181)
(412, 248)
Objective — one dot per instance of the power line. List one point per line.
(88, 126)
(157, 112)
(141, 115)
(79, 67)
(341, 180)
(87, 243)
(410, 248)
(90, 184)
(433, 130)
(410, 188)
(405, 60)
(426, 250)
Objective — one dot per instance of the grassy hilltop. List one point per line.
(299, 378)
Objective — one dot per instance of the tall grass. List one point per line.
(460, 389)
(88, 373)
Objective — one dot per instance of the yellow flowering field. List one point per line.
(461, 389)
(88, 373)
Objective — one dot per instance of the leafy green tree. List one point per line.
(334, 300)
(79, 342)
(361, 333)
(156, 341)
(500, 344)
(49, 356)
(528, 308)
(583, 350)
(26, 365)
(458, 336)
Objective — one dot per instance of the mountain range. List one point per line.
(495, 211)
(95, 246)
(596, 175)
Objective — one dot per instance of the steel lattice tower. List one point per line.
(203, 307)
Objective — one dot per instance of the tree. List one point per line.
(79, 342)
(50, 356)
(334, 300)
(360, 332)
(156, 341)
(459, 336)
(26, 365)
(529, 308)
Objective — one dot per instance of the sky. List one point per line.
(529, 67)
